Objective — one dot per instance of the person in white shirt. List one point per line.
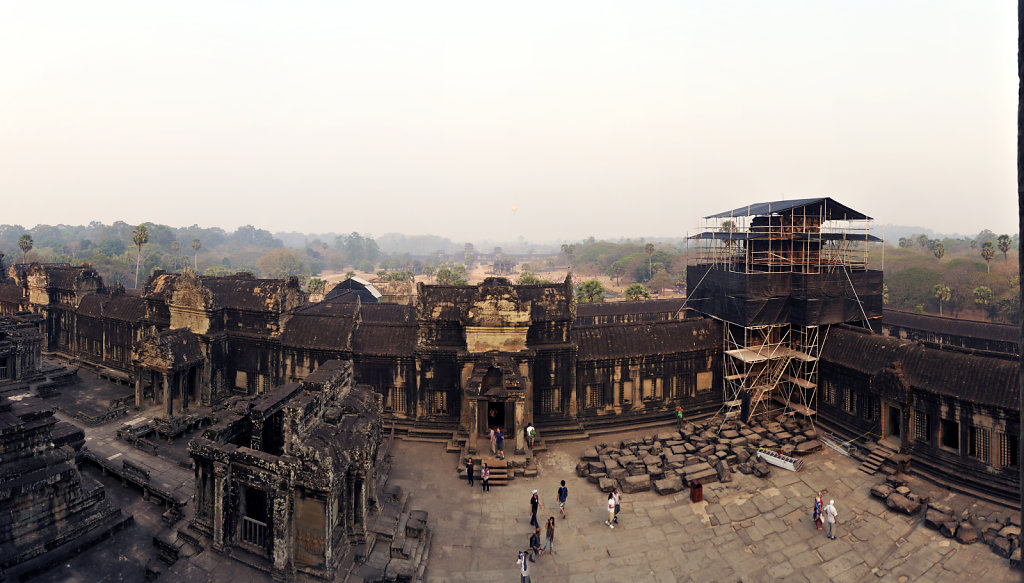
(832, 517)
(611, 510)
(524, 569)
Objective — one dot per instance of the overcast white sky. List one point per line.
(472, 120)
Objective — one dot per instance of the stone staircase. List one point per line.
(878, 456)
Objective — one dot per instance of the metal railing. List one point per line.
(254, 532)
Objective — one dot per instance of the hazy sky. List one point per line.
(611, 119)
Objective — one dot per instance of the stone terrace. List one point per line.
(750, 529)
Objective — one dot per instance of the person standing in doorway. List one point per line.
(832, 518)
(492, 437)
(549, 536)
(534, 505)
(469, 470)
(617, 497)
(611, 511)
(499, 444)
(485, 478)
(563, 495)
(531, 434)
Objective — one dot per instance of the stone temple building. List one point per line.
(48, 509)
(784, 317)
(288, 477)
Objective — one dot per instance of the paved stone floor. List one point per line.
(748, 530)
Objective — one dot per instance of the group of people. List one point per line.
(825, 514)
(485, 474)
(536, 549)
(497, 443)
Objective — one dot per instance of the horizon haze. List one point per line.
(491, 122)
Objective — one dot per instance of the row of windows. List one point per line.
(979, 440)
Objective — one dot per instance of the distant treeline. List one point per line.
(974, 277)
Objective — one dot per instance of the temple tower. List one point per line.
(777, 275)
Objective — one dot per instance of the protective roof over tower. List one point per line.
(825, 206)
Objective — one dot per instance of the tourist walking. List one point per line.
(549, 536)
(534, 505)
(499, 444)
(832, 517)
(617, 496)
(535, 543)
(611, 510)
(531, 434)
(563, 495)
(485, 478)
(817, 515)
(524, 569)
(469, 470)
(491, 435)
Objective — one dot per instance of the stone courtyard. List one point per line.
(750, 529)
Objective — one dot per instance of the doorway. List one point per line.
(893, 421)
(496, 415)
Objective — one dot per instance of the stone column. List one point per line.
(473, 422)
(220, 473)
(138, 388)
(281, 520)
(520, 423)
(168, 397)
(183, 381)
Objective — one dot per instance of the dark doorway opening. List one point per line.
(496, 415)
(893, 428)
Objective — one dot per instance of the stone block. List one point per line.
(669, 485)
(901, 503)
(948, 528)
(607, 484)
(595, 476)
(882, 491)
(582, 470)
(634, 484)
(618, 473)
(590, 454)
(730, 434)
(903, 490)
(966, 533)
(1002, 547)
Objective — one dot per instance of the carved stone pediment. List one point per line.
(890, 383)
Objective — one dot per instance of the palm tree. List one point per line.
(590, 291)
(175, 250)
(941, 293)
(25, 244)
(982, 295)
(649, 250)
(939, 250)
(987, 253)
(196, 244)
(636, 291)
(1004, 243)
(140, 236)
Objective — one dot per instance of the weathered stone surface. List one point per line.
(607, 484)
(1010, 532)
(948, 528)
(760, 469)
(1002, 547)
(933, 519)
(724, 473)
(669, 485)
(582, 470)
(634, 484)
(882, 491)
(901, 503)
(589, 454)
(966, 533)
(903, 490)
(618, 474)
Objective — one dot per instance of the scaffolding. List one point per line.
(778, 275)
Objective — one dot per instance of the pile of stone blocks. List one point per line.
(999, 529)
(699, 452)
